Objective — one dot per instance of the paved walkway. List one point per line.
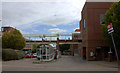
(106, 64)
(66, 63)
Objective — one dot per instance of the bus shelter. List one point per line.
(45, 53)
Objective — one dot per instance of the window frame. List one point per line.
(84, 23)
(102, 22)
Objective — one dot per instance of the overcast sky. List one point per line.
(44, 17)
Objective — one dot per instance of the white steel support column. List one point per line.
(46, 53)
(40, 54)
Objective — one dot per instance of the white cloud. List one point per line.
(41, 0)
(23, 32)
(76, 28)
(24, 15)
(57, 30)
(102, 0)
(0, 15)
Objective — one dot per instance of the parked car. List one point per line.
(30, 55)
(34, 55)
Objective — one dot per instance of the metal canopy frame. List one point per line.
(45, 53)
(47, 35)
(50, 41)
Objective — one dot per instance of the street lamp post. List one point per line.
(116, 52)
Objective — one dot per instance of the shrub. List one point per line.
(20, 55)
(8, 54)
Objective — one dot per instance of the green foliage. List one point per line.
(112, 16)
(9, 54)
(5, 40)
(13, 40)
(34, 48)
(43, 44)
(20, 55)
(64, 47)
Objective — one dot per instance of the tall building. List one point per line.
(92, 19)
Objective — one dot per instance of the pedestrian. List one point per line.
(55, 57)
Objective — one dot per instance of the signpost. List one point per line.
(110, 30)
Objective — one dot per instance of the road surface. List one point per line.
(65, 63)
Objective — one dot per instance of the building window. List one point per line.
(84, 23)
(102, 18)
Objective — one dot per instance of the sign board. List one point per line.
(110, 28)
(91, 54)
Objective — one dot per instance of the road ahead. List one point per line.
(66, 63)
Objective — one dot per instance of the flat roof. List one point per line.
(102, 0)
(6, 27)
(75, 32)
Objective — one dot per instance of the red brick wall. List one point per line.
(7, 29)
(76, 37)
(92, 33)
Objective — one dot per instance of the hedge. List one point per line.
(20, 55)
(10, 54)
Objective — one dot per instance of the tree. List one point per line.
(34, 48)
(64, 47)
(5, 40)
(13, 40)
(112, 16)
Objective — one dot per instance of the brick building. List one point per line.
(92, 19)
(28, 47)
(76, 37)
(7, 29)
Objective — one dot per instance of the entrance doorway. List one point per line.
(75, 52)
(84, 53)
(99, 54)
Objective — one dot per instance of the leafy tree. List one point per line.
(19, 41)
(34, 47)
(5, 40)
(64, 47)
(13, 40)
(112, 16)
